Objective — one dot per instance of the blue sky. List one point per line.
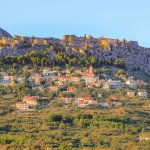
(129, 19)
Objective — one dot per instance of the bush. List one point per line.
(120, 72)
(55, 118)
(5, 141)
(119, 63)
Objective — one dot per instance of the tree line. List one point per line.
(60, 59)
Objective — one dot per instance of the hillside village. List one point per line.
(69, 86)
(69, 81)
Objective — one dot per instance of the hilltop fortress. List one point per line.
(22, 41)
(105, 43)
(135, 56)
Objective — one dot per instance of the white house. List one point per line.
(142, 94)
(5, 82)
(112, 84)
(104, 105)
(48, 72)
(131, 93)
(131, 83)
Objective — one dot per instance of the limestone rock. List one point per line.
(4, 33)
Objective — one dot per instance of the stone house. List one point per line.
(104, 105)
(59, 83)
(5, 82)
(30, 100)
(142, 94)
(131, 83)
(117, 103)
(48, 72)
(8, 80)
(94, 84)
(82, 104)
(131, 93)
(37, 78)
(75, 79)
(113, 97)
(67, 100)
(3, 74)
(85, 101)
(89, 79)
(62, 78)
(71, 89)
(53, 88)
(112, 84)
(88, 100)
(22, 106)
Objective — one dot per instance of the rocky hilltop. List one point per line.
(134, 56)
(4, 33)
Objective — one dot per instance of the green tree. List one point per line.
(55, 118)
(119, 63)
(52, 48)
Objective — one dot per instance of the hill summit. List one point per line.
(96, 51)
(4, 33)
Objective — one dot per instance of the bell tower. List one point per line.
(91, 69)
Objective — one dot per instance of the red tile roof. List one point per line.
(71, 88)
(94, 83)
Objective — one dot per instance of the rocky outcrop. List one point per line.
(135, 57)
(4, 33)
